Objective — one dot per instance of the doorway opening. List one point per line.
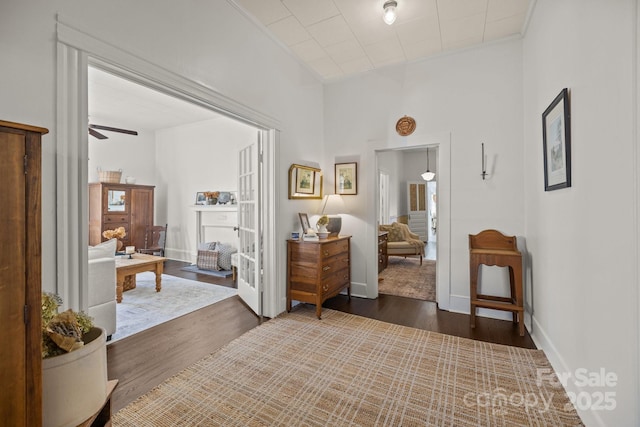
(76, 51)
(407, 224)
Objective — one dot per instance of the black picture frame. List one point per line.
(304, 222)
(346, 178)
(556, 141)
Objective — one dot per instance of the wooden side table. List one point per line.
(490, 247)
(102, 418)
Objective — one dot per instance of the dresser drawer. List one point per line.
(114, 218)
(334, 282)
(333, 248)
(333, 264)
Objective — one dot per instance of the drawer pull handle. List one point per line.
(325, 288)
(326, 253)
(326, 268)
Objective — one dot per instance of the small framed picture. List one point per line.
(346, 176)
(201, 199)
(305, 181)
(556, 140)
(304, 222)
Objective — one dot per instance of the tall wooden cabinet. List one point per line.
(120, 205)
(318, 270)
(20, 275)
(417, 207)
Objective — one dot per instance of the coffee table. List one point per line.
(126, 269)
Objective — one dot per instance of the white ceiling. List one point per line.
(337, 38)
(334, 38)
(120, 103)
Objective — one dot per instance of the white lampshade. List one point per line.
(332, 204)
(389, 15)
(428, 176)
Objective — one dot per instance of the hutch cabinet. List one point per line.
(120, 205)
(318, 270)
(20, 275)
(417, 207)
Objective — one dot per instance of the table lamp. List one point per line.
(332, 205)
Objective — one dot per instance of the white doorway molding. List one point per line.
(77, 50)
(443, 244)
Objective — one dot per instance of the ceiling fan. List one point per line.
(93, 132)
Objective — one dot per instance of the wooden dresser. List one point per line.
(21, 275)
(120, 205)
(383, 257)
(318, 270)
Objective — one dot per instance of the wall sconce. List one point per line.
(389, 16)
(484, 164)
(428, 175)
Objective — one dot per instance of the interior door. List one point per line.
(417, 207)
(250, 226)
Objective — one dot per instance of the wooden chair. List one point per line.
(490, 247)
(155, 240)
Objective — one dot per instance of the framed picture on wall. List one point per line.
(556, 140)
(305, 181)
(346, 178)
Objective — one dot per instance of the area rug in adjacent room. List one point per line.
(143, 307)
(405, 277)
(347, 370)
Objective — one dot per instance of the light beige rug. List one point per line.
(405, 277)
(346, 370)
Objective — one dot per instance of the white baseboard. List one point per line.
(358, 290)
(543, 342)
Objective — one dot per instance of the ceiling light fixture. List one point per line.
(428, 176)
(389, 15)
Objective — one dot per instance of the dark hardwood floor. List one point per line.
(142, 361)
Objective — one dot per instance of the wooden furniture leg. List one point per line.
(159, 270)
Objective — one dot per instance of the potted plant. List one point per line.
(74, 366)
(322, 226)
(212, 197)
(118, 233)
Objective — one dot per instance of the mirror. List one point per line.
(116, 200)
(305, 182)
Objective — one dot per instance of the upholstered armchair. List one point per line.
(402, 242)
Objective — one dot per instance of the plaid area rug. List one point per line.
(405, 277)
(346, 370)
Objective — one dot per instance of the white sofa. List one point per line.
(102, 285)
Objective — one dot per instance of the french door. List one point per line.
(250, 225)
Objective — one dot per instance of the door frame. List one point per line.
(443, 242)
(77, 50)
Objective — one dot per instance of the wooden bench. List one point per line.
(490, 247)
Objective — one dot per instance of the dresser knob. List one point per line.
(326, 268)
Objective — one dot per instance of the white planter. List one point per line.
(74, 385)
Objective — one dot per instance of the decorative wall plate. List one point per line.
(405, 126)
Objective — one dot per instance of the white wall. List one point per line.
(391, 162)
(210, 43)
(197, 157)
(582, 239)
(134, 155)
(475, 95)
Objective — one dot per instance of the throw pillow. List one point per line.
(395, 233)
(207, 260)
(224, 257)
(103, 250)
